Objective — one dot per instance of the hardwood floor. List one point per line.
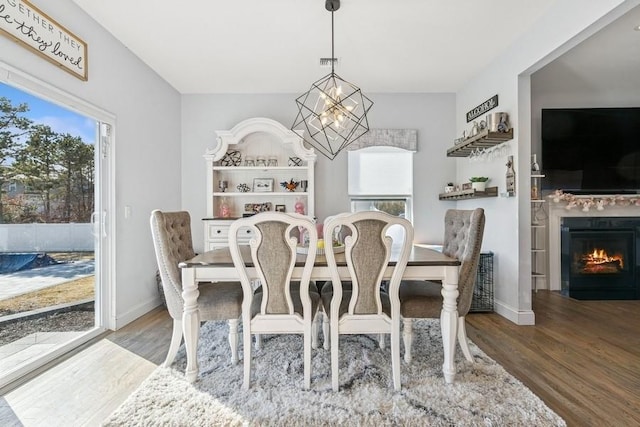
(582, 358)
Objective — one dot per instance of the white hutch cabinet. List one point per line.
(253, 159)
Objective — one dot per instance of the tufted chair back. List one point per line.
(463, 231)
(173, 244)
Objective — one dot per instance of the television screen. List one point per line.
(591, 150)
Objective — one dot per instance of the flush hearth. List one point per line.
(599, 258)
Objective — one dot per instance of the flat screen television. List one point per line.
(591, 150)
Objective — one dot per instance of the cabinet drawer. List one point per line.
(221, 232)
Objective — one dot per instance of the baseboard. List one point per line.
(527, 317)
(124, 319)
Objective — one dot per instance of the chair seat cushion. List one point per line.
(314, 295)
(326, 295)
(220, 300)
(420, 299)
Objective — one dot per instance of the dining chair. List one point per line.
(337, 235)
(283, 306)
(171, 232)
(364, 307)
(463, 231)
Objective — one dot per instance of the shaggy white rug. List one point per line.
(484, 394)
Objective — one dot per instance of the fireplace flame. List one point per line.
(599, 262)
(600, 256)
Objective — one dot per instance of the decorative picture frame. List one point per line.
(44, 36)
(281, 208)
(254, 208)
(262, 185)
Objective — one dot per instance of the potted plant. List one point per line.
(479, 183)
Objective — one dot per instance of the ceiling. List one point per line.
(258, 46)
(609, 59)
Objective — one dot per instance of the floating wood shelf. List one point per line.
(484, 139)
(469, 194)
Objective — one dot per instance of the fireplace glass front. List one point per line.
(599, 258)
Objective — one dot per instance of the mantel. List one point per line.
(598, 202)
(559, 210)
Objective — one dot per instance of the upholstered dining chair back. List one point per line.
(173, 244)
(419, 299)
(283, 306)
(364, 306)
(171, 233)
(463, 232)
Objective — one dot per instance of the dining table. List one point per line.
(216, 266)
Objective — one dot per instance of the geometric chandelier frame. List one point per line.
(333, 112)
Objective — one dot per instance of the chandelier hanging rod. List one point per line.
(332, 6)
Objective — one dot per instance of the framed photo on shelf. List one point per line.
(254, 208)
(262, 185)
(281, 208)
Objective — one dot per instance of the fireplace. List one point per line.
(599, 258)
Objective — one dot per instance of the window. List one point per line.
(381, 178)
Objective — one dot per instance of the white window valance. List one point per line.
(406, 139)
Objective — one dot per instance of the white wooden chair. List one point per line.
(463, 231)
(365, 308)
(171, 232)
(283, 307)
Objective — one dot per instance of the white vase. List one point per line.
(479, 186)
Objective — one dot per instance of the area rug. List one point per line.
(484, 394)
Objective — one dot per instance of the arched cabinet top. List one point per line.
(288, 138)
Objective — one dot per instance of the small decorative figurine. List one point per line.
(295, 161)
(231, 158)
(243, 188)
(449, 188)
(299, 207)
(510, 177)
(289, 186)
(225, 211)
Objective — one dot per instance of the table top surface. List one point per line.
(419, 257)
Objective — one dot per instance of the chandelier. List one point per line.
(333, 112)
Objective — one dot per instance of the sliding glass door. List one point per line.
(55, 238)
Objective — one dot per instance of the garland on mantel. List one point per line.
(588, 202)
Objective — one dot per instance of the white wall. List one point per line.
(147, 147)
(507, 231)
(431, 114)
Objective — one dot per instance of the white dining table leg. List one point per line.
(190, 321)
(449, 321)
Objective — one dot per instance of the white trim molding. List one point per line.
(519, 317)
